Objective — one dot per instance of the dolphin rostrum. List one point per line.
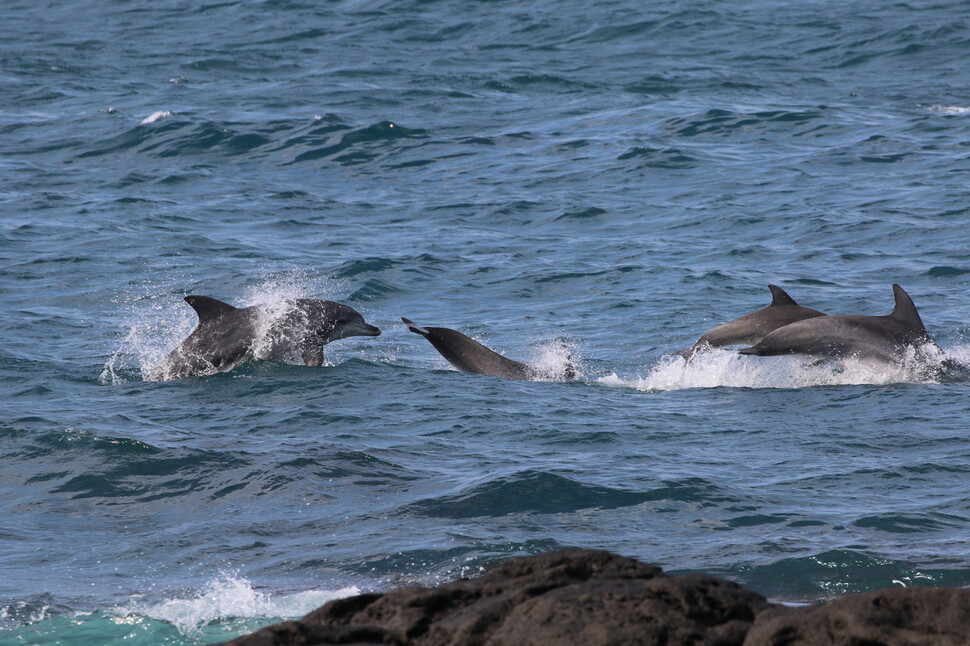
(468, 355)
(754, 326)
(227, 336)
(883, 338)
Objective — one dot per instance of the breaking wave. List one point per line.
(226, 602)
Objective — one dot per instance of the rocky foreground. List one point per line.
(593, 598)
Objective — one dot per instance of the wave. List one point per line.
(721, 122)
(226, 604)
(356, 146)
(949, 109)
(155, 116)
(837, 572)
(223, 608)
(536, 492)
(166, 134)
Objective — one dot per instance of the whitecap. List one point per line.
(949, 109)
(155, 116)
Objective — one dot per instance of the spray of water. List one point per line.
(726, 368)
(226, 598)
(555, 360)
(156, 324)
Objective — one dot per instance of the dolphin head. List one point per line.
(329, 320)
(349, 322)
(314, 323)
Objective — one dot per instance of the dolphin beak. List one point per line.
(360, 328)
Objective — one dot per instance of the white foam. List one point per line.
(155, 327)
(287, 286)
(727, 368)
(277, 298)
(23, 612)
(155, 116)
(227, 598)
(555, 359)
(959, 353)
(949, 109)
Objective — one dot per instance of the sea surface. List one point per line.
(613, 178)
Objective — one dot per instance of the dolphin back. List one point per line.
(468, 355)
(905, 312)
(209, 309)
(754, 326)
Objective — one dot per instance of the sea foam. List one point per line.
(227, 599)
(155, 116)
(727, 368)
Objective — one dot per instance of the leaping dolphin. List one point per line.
(753, 327)
(468, 355)
(883, 338)
(227, 336)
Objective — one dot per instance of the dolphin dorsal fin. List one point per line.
(905, 310)
(414, 327)
(780, 296)
(208, 308)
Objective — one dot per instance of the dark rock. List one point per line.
(889, 617)
(298, 633)
(591, 598)
(570, 597)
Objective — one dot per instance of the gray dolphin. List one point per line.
(468, 355)
(754, 326)
(226, 335)
(883, 338)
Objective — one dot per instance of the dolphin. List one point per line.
(754, 326)
(468, 355)
(227, 336)
(882, 338)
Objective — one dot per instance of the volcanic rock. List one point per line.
(888, 617)
(594, 598)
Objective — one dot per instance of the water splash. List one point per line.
(555, 360)
(156, 324)
(27, 612)
(726, 368)
(227, 598)
(276, 297)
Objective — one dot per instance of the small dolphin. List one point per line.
(754, 326)
(883, 338)
(227, 336)
(468, 355)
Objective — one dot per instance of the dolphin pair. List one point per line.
(784, 327)
(226, 336)
(881, 338)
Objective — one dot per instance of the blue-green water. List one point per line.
(616, 177)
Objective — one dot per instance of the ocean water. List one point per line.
(606, 176)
